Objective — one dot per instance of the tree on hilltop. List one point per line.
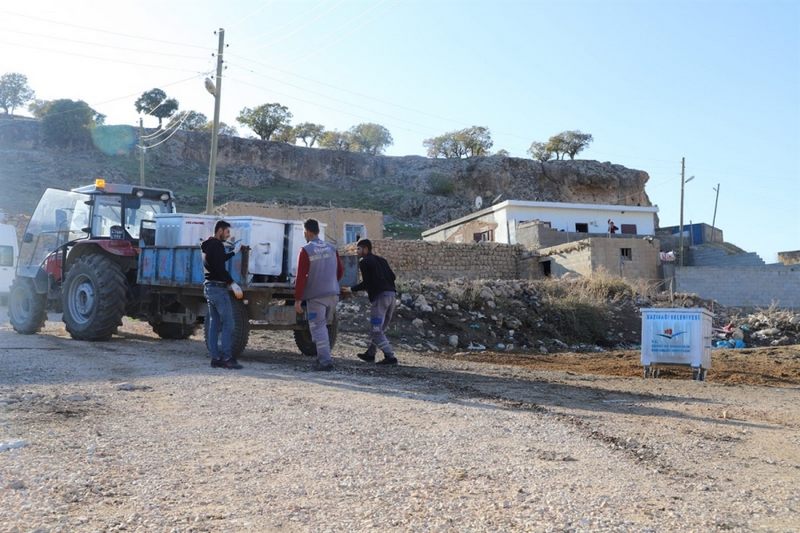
(188, 121)
(336, 140)
(309, 133)
(14, 91)
(265, 119)
(567, 143)
(155, 102)
(540, 151)
(370, 138)
(468, 142)
(68, 123)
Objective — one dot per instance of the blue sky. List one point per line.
(717, 82)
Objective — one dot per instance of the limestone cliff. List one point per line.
(400, 186)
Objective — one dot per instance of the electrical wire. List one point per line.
(177, 128)
(100, 30)
(112, 59)
(297, 28)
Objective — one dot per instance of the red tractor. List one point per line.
(79, 255)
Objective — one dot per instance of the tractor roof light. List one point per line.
(100, 183)
(140, 193)
(164, 197)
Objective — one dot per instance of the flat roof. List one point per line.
(528, 203)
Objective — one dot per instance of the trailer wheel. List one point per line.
(241, 328)
(94, 297)
(173, 330)
(302, 337)
(26, 308)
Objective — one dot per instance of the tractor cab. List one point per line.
(93, 213)
(79, 255)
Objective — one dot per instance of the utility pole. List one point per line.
(684, 181)
(212, 166)
(714, 219)
(141, 153)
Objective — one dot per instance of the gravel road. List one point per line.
(139, 434)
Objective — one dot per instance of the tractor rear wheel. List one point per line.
(94, 296)
(241, 328)
(27, 309)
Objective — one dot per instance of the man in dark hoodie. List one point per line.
(377, 279)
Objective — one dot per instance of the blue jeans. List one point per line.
(220, 320)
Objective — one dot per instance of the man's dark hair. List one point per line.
(312, 226)
(221, 224)
(365, 243)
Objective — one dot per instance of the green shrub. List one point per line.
(440, 185)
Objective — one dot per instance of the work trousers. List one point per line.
(380, 316)
(320, 311)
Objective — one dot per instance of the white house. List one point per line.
(499, 222)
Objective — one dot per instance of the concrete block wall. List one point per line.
(571, 258)
(445, 260)
(743, 286)
(607, 255)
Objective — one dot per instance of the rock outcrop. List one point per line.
(408, 183)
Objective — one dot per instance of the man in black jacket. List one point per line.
(377, 279)
(215, 288)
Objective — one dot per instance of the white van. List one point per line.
(9, 250)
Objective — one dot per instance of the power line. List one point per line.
(297, 28)
(100, 30)
(112, 59)
(97, 45)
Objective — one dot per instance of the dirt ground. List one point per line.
(140, 434)
(777, 366)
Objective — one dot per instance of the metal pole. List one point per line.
(714, 219)
(212, 166)
(141, 153)
(680, 228)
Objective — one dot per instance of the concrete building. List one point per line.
(344, 225)
(499, 222)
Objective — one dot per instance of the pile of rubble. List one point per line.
(577, 315)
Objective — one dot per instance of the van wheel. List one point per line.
(26, 308)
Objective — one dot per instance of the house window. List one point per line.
(626, 254)
(629, 229)
(354, 233)
(487, 235)
(582, 227)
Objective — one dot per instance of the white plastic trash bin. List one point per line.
(676, 336)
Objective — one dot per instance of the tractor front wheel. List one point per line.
(27, 309)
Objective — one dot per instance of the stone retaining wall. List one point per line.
(444, 260)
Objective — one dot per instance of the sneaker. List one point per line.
(367, 357)
(319, 367)
(217, 363)
(387, 361)
(231, 364)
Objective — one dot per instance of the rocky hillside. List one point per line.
(410, 189)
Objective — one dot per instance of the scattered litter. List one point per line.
(13, 445)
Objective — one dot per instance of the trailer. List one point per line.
(173, 276)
